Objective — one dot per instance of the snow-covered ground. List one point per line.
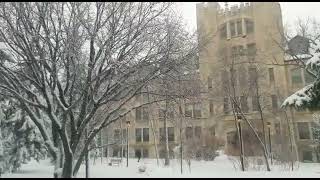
(222, 166)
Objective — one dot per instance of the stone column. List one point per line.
(228, 31)
(244, 28)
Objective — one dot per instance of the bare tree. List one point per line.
(71, 60)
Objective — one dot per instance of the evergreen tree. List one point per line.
(19, 139)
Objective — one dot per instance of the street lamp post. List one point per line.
(128, 125)
(239, 119)
(269, 134)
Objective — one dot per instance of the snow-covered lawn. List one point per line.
(220, 167)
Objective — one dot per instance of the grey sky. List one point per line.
(290, 11)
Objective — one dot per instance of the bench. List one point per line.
(115, 162)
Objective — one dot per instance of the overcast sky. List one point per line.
(290, 11)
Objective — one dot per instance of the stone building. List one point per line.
(246, 43)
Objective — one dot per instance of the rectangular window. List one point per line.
(241, 50)
(161, 113)
(242, 77)
(249, 26)
(234, 51)
(145, 114)
(308, 77)
(170, 111)
(188, 110)
(223, 31)
(225, 105)
(224, 79)
(170, 133)
(253, 75)
(244, 104)
(239, 27)
(315, 127)
(116, 135)
(274, 100)
(138, 113)
(138, 135)
(233, 74)
(197, 131)
(197, 110)
(277, 128)
(212, 131)
(251, 49)
(124, 135)
(145, 134)
(115, 151)
(303, 130)
(271, 75)
(209, 82)
(145, 153)
(211, 107)
(162, 135)
(255, 103)
(189, 133)
(233, 28)
(296, 76)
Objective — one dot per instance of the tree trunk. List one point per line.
(166, 161)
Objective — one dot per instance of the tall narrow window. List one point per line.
(170, 133)
(244, 104)
(303, 130)
(225, 80)
(241, 50)
(271, 75)
(145, 134)
(274, 100)
(197, 110)
(249, 26)
(234, 51)
(212, 131)
(209, 82)
(239, 27)
(253, 75)
(277, 128)
(189, 133)
(211, 107)
(138, 135)
(225, 105)
(138, 113)
(242, 77)
(197, 131)
(255, 103)
(188, 110)
(296, 76)
(145, 153)
(162, 112)
(162, 135)
(223, 31)
(116, 135)
(233, 28)
(145, 113)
